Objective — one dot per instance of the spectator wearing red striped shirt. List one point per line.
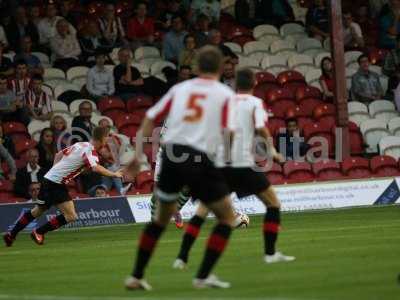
(38, 101)
(20, 84)
(140, 28)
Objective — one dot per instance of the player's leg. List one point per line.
(223, 211)
(271, 226)
(184, 196)
(191, 233)
(23, 221)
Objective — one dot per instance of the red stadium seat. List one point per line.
(7, 197)
(110, 104)
(384, 166)
(127, 120)
(274, 124)
(144, 179)
(310, 104)
(319, 130)
(280, 107)
(290, 76)
(130, 130)
(276, 94)
(6, 186)
(322, 110)
(356, 139)
(23, 145)
(306, 92)
(303, 121)
(15, 129)
(377, 56)
(263, 77)
(275, 174)
(242, 39)
(261, 89)
(327, 170)
(298, 171)
(356, 167)
(238, 30)
(139, 102)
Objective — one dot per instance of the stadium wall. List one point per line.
(294, 198)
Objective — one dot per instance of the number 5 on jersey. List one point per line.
(194, 109)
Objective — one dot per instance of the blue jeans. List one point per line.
(109, 182)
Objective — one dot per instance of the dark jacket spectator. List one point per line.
(47, 149)
(82, 126)
(91, 41)
(290, 143)
(111, 27)
(317, 20)
(25, 53)
(6, 65)
(391, 66)
(389, 25)
(26, 175)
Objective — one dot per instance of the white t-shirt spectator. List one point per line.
(347, 34)
(65, 47)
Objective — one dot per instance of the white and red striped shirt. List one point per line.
(197, 110)
(20, 86)
(40, 104)
(75, 160)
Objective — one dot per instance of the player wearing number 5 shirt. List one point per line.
(68, 164)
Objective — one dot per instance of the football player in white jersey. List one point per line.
(68, 164)
(198, 110)
(242, 178)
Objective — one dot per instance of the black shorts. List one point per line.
(197, 172)
(245, 181)
(53, 193)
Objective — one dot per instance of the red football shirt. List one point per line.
(140, 30)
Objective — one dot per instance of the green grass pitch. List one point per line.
(345, 254)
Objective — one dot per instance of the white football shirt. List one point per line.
(197, 111)
(250, 115)
(75, 159)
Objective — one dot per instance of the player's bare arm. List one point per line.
(266, 135)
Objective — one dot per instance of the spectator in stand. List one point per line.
(34, 191)
(11, 108)
(365, 21)
(352, 35)
(140, 28)
(174, 7)
(25, 54)
(3, 37)
(173, 42)
(216, 40)
(202, 32)
(101, 192)
(376, 7)
(34, 15)
(389, 25)
(61, 135)
(5, 155)
(365, 84)
(100, 81)
(185, 73)
(317, 20)
(38, 102)
(228, 75)
(326, 80)
(65, 47)
(290, 143)
(111, 155)
(82, 126)
(66, 11)
(20, 26)
(210, 8)
(7, 142)
(6, 65)
(279, 12)
(32, 172)
(188, 54)
(391, 66)
(92, 41)
(111, 27)
(47, 149)
(47, 26)
(20, 83)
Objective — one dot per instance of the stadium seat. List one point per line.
(146, 52)
(384, 166)
(275, 174)
(291, 28)
(63, 87)
(324, 110)
(291, 79)
(6, 186)
(44, 58)
(356, 167)
(53, 73)
(307, 92)
(274, 64)
(59, 106)
(394, 126)
(298, 171)
(111, 103)
(250, 62)
(327, 170)
(79, 82)
(74, 106)
(138, 102)
(301, 63)
(390, 145)
(255, 46)
(15, 129)
(385, 83)
(319, 57)
(383, 110)
(315, 132)
(274, 124)
(23, 145)
(309, 104)
(77, 72)
(262, 77)
(283, 48)
(269, 39)
(373, 131)
(295, 37)
(127, 119)
(358, 112)
(351, 56)
(35, 127)
(376, 69)
(262, 30)
(143, 179)
(312, 76)
(242, 39)
(377, 56)
(309, 46)
(130, 131)
(158, 66)
(236, 48)
(276, 94)
(356, 139)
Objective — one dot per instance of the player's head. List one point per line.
(245, 80)
(210, 61)
(99, 137)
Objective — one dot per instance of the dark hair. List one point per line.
(210, 60)
(187, 37)
(187, 67)
(85, 102)
(323, 71)
(37, 77)
(140, 3)
(99, 133)
(44, 130)
(245, 79)
(3, 77)
(288, 120)
(203, 17)
(362, 56)
(20, 62)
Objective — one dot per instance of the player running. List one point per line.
(68, 164)
(250, 119)
(198, 110)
